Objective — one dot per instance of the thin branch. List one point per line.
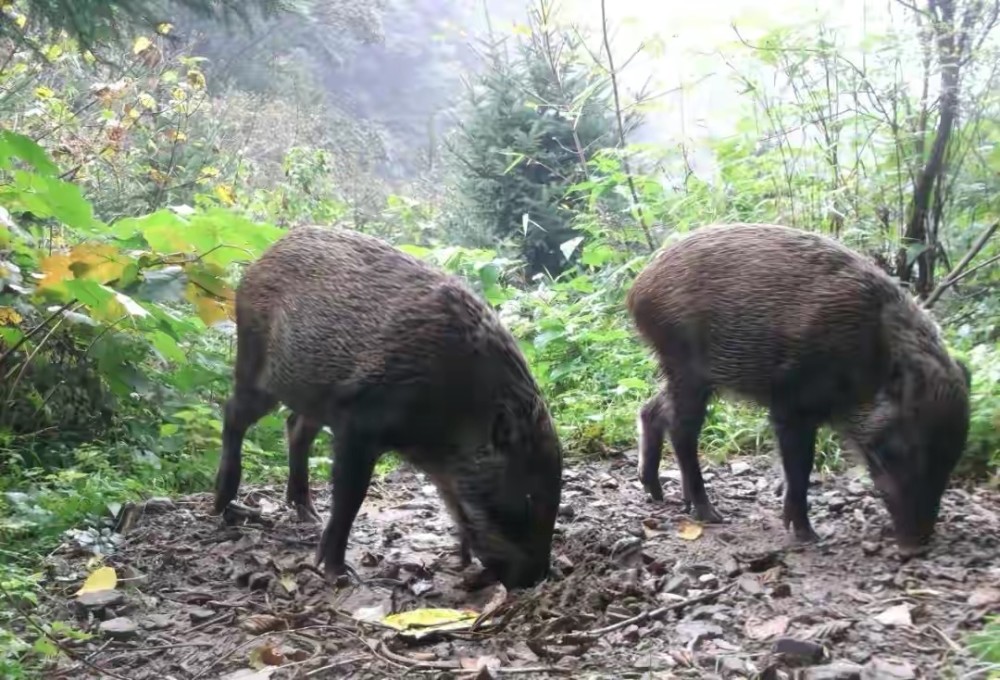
(956, 275)
(621, 129)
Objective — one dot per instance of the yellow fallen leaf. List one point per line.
(104, 578)
(430, 618)
(9, 316)
(689, 531)
(141, 44)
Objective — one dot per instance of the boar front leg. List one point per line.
(353, 464)
(301, 433)
(797, 445)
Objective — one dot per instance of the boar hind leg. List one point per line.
(797, 445)
(353, 464)
(243, 409)
(687, 403)
(301, 433)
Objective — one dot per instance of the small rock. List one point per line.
(609, 483)
(838, 670)
(200, 614)
(567, 511)
(671, 474)
(870, 547)
(984, 597)
(739, 468)
(708, 580)
(781, 590)
(731, 567)
(748, 584)
(694, 631)
(121, 628)
(679, 582)
(733, 665)
(798, 652)
(836, 503)
(631, 634)
(158, 504)
(888, 669)
(565, 563)
(156, 622)
(896, 616)
(101, 599)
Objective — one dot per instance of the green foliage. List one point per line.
(93, 21)
(533, 120)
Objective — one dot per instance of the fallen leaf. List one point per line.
(266, 655)
(420, 622)
(374, 613)
(689, 531)
(104, 578)
(288, 582)
(259, 624)
(896, 616)
(762, 630)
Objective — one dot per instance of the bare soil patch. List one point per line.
(629, 595)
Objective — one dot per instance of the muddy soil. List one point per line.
(635, 592)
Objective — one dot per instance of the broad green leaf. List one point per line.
(14, 145)
(168, 347)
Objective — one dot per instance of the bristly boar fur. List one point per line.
(804, 326)
(391, 354)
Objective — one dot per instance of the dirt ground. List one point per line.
(629, 595)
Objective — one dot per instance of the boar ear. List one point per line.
(966, 373)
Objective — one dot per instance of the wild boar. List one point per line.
(391, 354)
(800, 324)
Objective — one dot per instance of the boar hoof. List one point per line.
(805, 535)
(654, 489)
(307, 513)
(707, 514)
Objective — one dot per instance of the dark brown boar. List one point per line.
(801, 325)
(391, 354)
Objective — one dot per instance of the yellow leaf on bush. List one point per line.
(43, 92)
(164, 28)
(146, 101)
(9, 316)
(21, 20)
(689, 531)
(209, 310)
(100, 262)
(225, 194)
(104, 578)
(141, 44)
(431, 618)
(55, 269)
(196, 79)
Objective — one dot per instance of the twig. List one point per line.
(955, 275)
(612, 74)
(591, 635)
(255, 638)
(58, 643)
(384, 650)
(335, 664)
(27, 336)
